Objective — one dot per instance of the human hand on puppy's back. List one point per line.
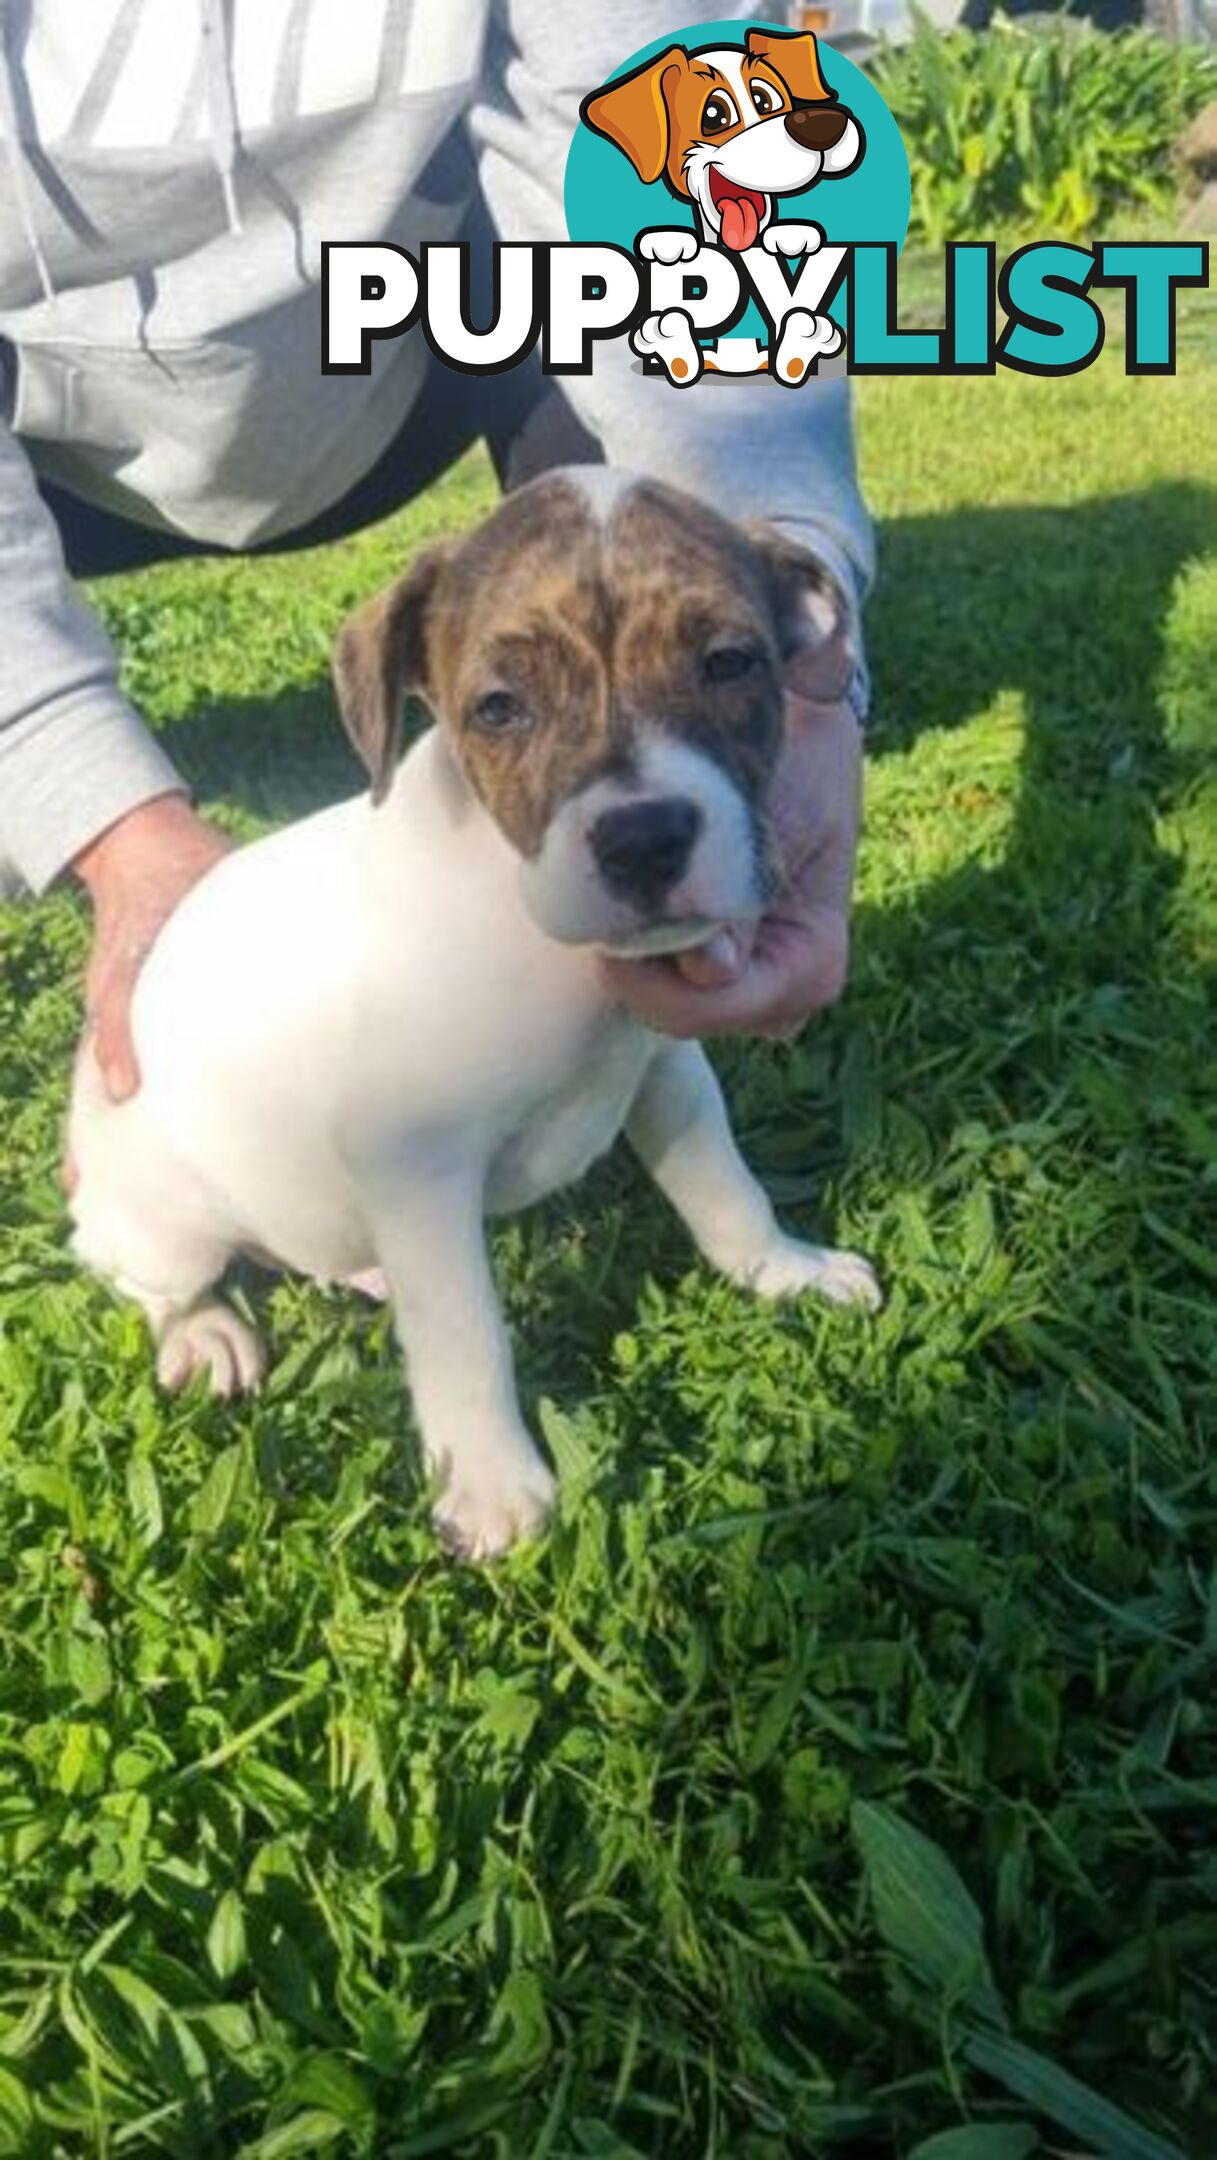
(135, 873)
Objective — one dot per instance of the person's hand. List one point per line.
(767, 978)
(135, 873)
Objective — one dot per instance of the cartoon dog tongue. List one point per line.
(740, 223)
(738, 214)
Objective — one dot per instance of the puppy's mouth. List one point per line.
(652, 940)
(740, 210)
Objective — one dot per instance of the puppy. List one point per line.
(362, 1035)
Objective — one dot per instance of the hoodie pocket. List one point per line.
(187, 433)
(110, 397)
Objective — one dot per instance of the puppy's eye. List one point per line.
(718, 113)
(765, 97)
(729, 663)
(498, 713)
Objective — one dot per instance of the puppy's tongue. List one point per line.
(739, 221)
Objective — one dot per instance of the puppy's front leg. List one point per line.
(678, 1125)
(494, 1486)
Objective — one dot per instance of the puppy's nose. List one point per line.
(817, 127)
(642, 849)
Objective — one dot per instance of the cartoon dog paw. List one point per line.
(669, 339)
(805, 337)
(792, 239)
(668, 244)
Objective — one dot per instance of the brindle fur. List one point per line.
(598, 631)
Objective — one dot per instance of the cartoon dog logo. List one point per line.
(728, 129)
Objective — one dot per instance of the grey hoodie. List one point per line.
(168, 172)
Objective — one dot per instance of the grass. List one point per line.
(840, 1775)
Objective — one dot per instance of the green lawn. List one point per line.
(842, 1770)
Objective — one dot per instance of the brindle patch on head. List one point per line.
(701, 637)
(597, 633)
(524, 614)
(585, 618)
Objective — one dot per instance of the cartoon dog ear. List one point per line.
(796, 57)
(816, 623)
(633, 112)
(381, 657)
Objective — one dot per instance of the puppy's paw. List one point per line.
(789, 1268)
(488, 1506)
(369, 1282)
(213, 1340)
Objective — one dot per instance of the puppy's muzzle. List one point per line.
(817, 127)
(642, 849)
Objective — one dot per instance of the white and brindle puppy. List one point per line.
(362, 1035)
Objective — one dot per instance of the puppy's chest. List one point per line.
(564, 1132)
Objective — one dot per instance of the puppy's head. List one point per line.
(607, 659)
(728, 128)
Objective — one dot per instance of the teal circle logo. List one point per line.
(615, 182)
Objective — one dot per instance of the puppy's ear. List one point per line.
(633, 111)
(795, 56)
(816, 624)
(380, 658)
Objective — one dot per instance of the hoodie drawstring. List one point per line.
(16, 154)
(225, 138)
(221, 105)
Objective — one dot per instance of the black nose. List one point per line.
(642, 849)
(817, 127)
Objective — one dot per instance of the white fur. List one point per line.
(355, 1042)
(602, 487)
(565, 895)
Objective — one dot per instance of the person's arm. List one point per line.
(751, 449)
(83, 784)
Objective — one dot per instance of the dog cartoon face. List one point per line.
(728, 128)
(606, 658)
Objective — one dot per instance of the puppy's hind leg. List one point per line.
(145, 1225)
(194, 1332)
(678, 1126)
(207, 1338)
